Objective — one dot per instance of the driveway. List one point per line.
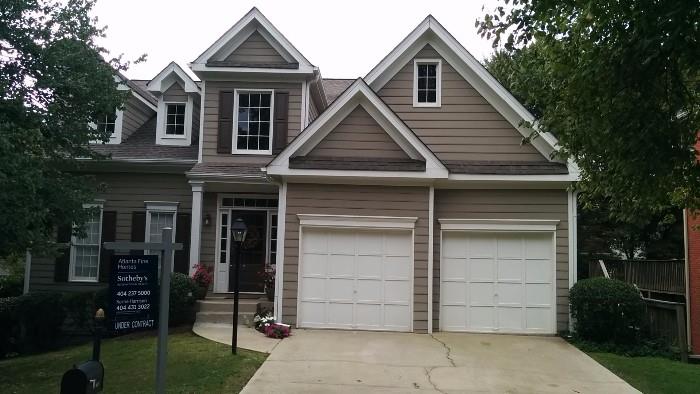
(327, 361)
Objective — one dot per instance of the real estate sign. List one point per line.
(133, 289)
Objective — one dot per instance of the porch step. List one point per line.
(226, 305)
(244, 318)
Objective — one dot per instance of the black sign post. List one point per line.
(133, 288)
(166, 249)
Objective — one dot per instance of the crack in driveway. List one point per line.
(430, 379)
(447, 349)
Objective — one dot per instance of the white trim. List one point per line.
(359, 93)
(514, 178)
(116, 137)
(572, 234)
(169, 75)
(357, 221)
(429, 31)
(498, 224)
(73, 245)
(162, 206)
(438, 83)
(144, 100)
(234, 138)
(279, 264)
(201, 122)
(253, 20)
(431, 231)
(174, 140)
(553, 233)
(304, 103)
(196, 225)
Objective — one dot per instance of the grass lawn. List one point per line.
(195, 365)
(653, 375)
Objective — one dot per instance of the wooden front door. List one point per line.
(253, 252)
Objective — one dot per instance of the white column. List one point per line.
(196, 230)
(431, 222)
(279, 264)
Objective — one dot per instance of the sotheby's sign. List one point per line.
(133, 289)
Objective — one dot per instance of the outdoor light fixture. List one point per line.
(239, 230)
(207, 219)
(238, 233)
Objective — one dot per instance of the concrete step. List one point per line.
(226, 305)
(244, 318)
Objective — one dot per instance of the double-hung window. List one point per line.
(85, 251)
(427, 75)
(106, 124)
(109, 124)
(253, 111)
(175, 119)
(159, 215)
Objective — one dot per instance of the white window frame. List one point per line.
(73, 244)
(116, 137)
(438, 82)
(171, 139)
(234, 141)
(160, 207)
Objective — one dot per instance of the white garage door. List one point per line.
(497, 282)
(355, 279)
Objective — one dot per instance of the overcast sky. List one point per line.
(345, 39)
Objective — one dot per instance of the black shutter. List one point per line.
(138, 229)
(182, 235)
(109, 234)
(62, 264)
(280, 122)
(223, 143)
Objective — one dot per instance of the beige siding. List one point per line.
(255, 50)
(207, 253)
(313, 111)
(196, 110)
(175, 93)
(465, 127)
(357, 200)
(211, 118)
(507, 204)
(136, 113)
(125, 193)
(358, 135)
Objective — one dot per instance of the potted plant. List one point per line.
(268, 277)
(202, 277)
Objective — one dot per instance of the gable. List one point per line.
(358, 135)
(255, 50)
(175, 93)
(466, 127)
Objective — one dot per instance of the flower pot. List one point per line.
(200, 293)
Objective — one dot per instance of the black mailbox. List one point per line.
(85, 378)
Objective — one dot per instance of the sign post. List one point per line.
(166, 247)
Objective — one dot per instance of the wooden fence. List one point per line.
(666, 320)
(658, 276)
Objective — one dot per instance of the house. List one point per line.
(401, 201)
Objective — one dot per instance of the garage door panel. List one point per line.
(361, 278)
(505, 283)
(314, 265)
(453, 293)
(369, 266)
(314, 289)
(340, 289)
(481, 269)
(341, 265)
(396, 291)
(481, 318)
(369, 290)
(481, 293)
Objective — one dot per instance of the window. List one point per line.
(426, 83)
(85, 252)
(160, 215)
(175, 119)
(107, 124)
(253, 124)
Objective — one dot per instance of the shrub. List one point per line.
(11, 285)
(606, 310)
(182, 298)
(202, 277)
(31, 322)
(9, 329)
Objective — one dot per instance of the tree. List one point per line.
(618, 83)
(54, 81)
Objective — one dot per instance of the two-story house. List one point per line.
(402, 201)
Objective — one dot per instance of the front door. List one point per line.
(253, 252)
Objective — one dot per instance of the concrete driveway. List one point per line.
(326, 361)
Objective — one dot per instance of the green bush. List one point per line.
(80, 308)
(606, 310)
(11, 285)
(31, 322)
(182, 298)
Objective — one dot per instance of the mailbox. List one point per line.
(84, 378)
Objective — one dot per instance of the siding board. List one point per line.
(255, 50)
